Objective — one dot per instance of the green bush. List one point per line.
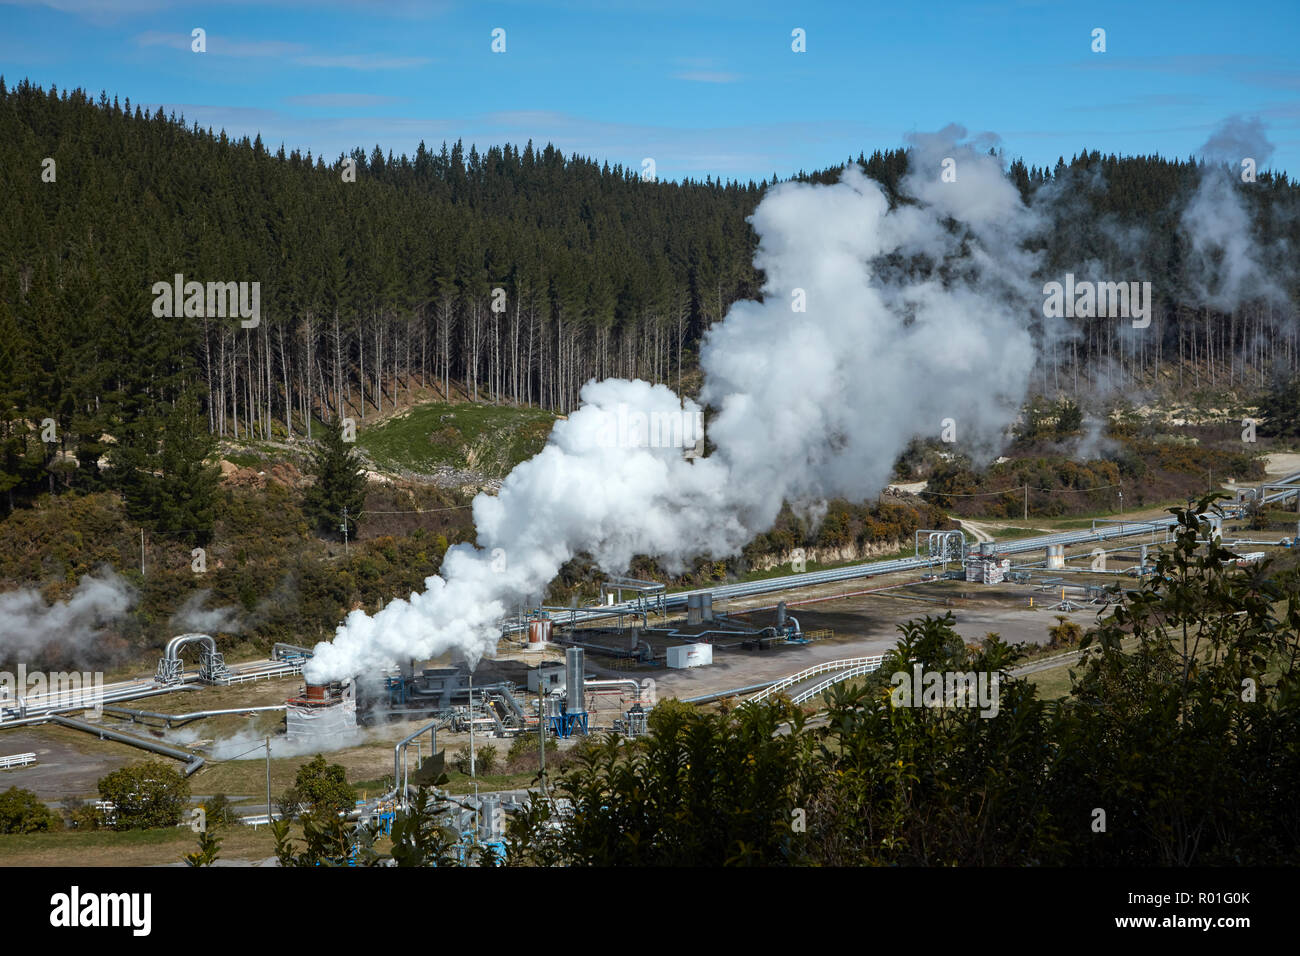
(146, 795)
(323, 787)
(21, 811)
(219, 811)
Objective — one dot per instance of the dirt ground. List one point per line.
(1281, 463)
(864, 625)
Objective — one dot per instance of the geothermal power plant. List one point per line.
(566, 672)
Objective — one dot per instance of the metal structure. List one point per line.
(649, 594)
(323, 711)
(574, 714)
(941, 546)
(192, 761)
(400, 776)
(212, 666)
(179, 720)
(1286, 490)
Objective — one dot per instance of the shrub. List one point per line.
(219, 811)
(460, 762)
(289, 804)
(146, 795)
(21, 811)
(324, 787)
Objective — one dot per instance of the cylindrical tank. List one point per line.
(1055, 556)
(574, 681)
(539, 631)
(694, 609)
(488, 819)
(986, 549)
(706, 607)
(780, 614)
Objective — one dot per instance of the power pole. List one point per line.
(541, 719)
(268, 781)
(1026, 501)
(344, 528)
(142, 552)
(471, 723)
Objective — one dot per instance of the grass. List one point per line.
(129, 847)
(491, 439)
(458, 782)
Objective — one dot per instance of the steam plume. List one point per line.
(914, 315)
(29, 626)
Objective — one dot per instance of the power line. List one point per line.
(1017, 490)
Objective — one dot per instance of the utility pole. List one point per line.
(1026, 501)
(541, 717)
(142, 552)
(268, 781)
(344, 528)
(471, 724)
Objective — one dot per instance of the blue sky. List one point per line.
(703, 88)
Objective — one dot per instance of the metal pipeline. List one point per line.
(24, 704)
(179, 719)
(192, 761)
(399, 754)
(622, 682)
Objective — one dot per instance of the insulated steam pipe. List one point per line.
(192, 761)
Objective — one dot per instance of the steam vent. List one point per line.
(323, 710)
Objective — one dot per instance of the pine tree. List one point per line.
(339, 486)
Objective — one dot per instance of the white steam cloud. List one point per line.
(193, 617)
(913, 315)
(1230, 263)
(29, 626)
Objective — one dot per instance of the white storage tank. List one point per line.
(690, 655)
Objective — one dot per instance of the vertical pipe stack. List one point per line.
(575, 681)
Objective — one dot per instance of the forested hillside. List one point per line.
(374, 287)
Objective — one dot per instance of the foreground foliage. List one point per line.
(1183, 751)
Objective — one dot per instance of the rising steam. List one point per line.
(913, 315)
(31, 629)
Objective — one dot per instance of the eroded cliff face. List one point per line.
(827, 555)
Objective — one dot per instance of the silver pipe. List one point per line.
(192, 760)
(621, 682)
(171, 719)
(399, 754)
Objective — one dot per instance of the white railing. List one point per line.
(851, 672)
(17, 760)
(849, 664)
(265, 672)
